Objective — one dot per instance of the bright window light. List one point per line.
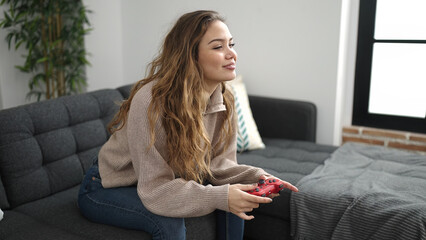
(400, 19)
(398, 80)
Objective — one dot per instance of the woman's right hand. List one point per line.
(240, 202)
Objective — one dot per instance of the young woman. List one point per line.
(172, 152)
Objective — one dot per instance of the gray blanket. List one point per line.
(362, 192)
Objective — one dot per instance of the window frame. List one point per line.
(363, 67)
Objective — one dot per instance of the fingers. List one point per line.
(246, 205)
(245, 208)
(252, 198)
(242, 213)
(286, 184)
(257, 199)
(273, 195)
(244, 216)
(263, 177)
(290, 186)
(241, 202)
(245, 187)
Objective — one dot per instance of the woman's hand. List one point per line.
(286, 185)
(240, 202)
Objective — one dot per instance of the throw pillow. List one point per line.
(248, 137)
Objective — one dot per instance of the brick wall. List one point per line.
(389, 138)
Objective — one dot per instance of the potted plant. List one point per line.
(52, 32)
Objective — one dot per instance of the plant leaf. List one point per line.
(42, 60)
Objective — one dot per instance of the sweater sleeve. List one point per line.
(157, 187)
(226, 170)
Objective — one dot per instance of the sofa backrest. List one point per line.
(46, 147)
(284, 118)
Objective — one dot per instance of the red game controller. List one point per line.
(267, 187)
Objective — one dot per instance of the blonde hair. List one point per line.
(177, 99)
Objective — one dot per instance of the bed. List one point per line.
(362, 192)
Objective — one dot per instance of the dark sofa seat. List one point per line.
(287, 160)
(290, 161)
(57, 217)
(46, 148)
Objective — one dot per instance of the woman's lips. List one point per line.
(230, 66)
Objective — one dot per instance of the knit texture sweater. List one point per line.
(126, 160)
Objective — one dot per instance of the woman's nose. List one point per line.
(231, 54)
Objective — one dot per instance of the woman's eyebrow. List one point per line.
(219, 39)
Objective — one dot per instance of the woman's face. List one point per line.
(216, 55)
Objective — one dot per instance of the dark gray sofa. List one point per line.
(46, 147)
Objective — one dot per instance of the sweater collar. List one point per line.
(216, 101)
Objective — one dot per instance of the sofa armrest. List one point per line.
(282, 118)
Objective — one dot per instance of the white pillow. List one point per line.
(248, 137)
(1, 214)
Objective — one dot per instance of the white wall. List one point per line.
(346, 67)
(287, 49)
(13, 83)
(105, 44)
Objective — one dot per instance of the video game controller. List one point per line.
(267, 187)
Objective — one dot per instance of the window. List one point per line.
(390, 75)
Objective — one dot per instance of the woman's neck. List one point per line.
(210, 87)
(209, 90)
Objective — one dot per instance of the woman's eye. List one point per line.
(231, 45)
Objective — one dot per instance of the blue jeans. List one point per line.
(122, 207)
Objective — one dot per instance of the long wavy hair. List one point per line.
(179, 99)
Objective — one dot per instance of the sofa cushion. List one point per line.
(43, 153)
(288, 160)
(248, 137)
(60, 211)
(18, 226)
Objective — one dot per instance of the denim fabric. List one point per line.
(122, 207)
(228, 226)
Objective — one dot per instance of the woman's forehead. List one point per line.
(217, 31)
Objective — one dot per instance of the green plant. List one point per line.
(52, 32)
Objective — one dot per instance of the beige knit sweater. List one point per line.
(124, 160)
